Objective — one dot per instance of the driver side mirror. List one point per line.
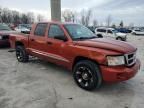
(63, 38)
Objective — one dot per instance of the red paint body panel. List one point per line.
(4, 43)
(64, 53)
(117, 74)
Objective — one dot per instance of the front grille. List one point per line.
(130, 59)
(5, 37)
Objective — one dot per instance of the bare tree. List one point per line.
(16, 17)
(68, 15)
(108, 20)
(121, 24)
(40, 18)
(95, 23)
(9, 16)
(24, 19)
(113, 25)
(89, 13)
(0, 14)
(131, 25)
(85, 17)
(4, 15)
(101, 24)
(30, 16)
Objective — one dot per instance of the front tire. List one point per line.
(21, 54)
(87, 75)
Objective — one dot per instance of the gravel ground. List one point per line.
(40, 84)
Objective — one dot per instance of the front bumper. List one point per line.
(119, 73)
(4, 43)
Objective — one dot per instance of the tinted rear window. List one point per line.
(101, 30)
(40, 29)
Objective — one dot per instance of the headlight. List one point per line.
(115, 60)
(0, 37)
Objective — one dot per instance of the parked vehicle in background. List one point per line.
(123, 30)
(22, 29)
(28, 26)
(93, 60)
(142, 28)
(111, 33)
(12, 26)
(5, 30)
(138, 32)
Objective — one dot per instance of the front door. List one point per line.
(57, 44)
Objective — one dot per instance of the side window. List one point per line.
(101, 30)
(109, 31)
(40, 29)
(55, 31)
(98, 30)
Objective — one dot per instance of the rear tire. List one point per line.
(21, 54)
(87, 75)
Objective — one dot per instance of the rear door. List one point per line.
(37, 41)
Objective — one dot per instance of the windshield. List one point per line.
(4, 27)
(115, 31)
(79, 32)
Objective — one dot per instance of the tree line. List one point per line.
(87, 17)
(15, 17)
(84, 17)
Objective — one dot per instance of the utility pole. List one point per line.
(0, 17)
(56, 10)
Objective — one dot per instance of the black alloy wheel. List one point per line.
(87, 75)
(21, 54)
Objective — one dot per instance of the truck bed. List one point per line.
(19, 37)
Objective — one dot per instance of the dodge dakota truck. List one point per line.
(92, 60)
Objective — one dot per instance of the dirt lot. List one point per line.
(39, 84)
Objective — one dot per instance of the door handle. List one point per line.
(49, 43)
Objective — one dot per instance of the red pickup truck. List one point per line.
(92, 60)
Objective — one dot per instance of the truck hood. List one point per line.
(108, 44)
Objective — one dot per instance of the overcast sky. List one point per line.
(130, 11)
